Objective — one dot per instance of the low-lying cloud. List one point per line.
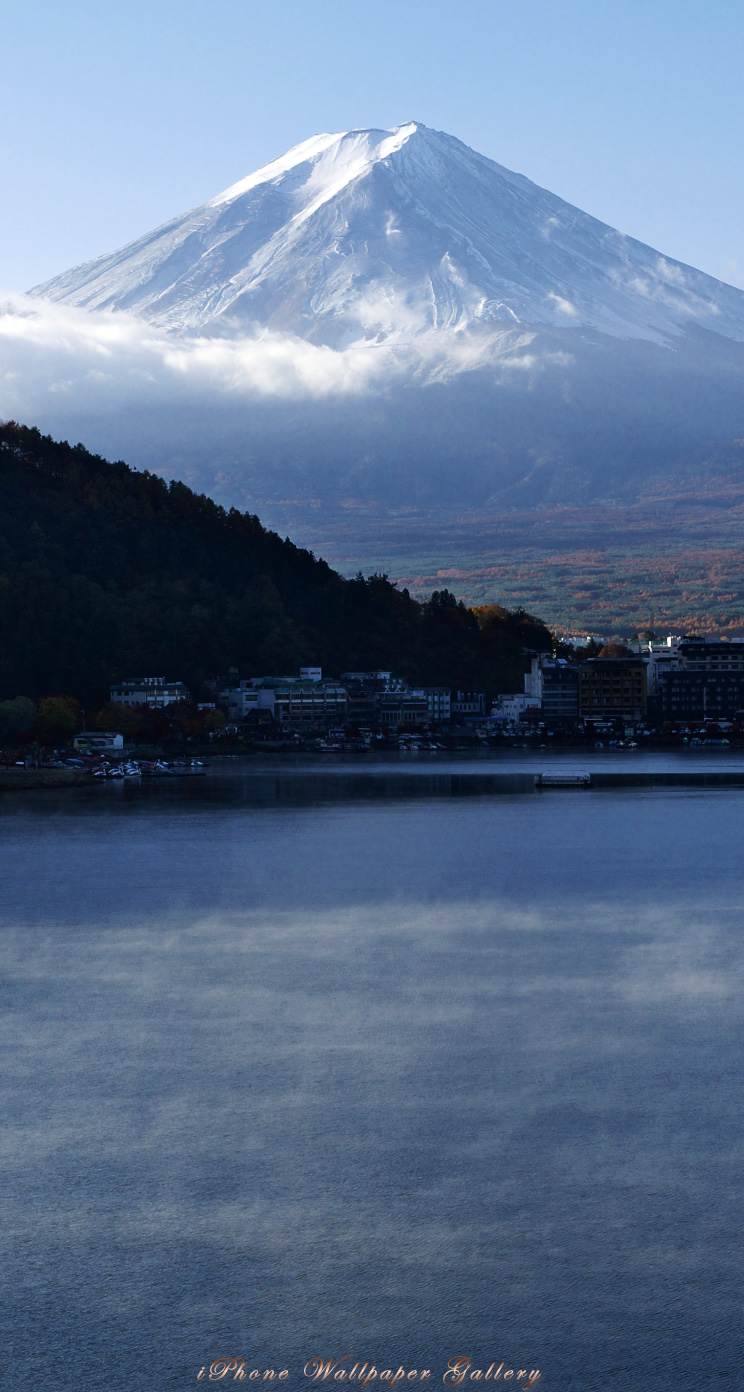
(111, 357)
(61, 359)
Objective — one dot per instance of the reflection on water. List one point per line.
(411, 1078)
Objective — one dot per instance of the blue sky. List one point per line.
(117, 116)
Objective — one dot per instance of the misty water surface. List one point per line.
(405, 1078)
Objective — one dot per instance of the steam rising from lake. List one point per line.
(413, 1080)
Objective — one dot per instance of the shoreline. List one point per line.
(21, 779)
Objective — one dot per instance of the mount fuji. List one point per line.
(400, 351)
(389, 235)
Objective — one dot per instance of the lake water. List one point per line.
(311, 1061)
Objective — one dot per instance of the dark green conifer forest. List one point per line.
(107, 572)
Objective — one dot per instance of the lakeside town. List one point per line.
(681, 690)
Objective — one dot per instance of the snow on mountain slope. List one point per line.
(387, 236)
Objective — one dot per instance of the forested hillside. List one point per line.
(107, 572)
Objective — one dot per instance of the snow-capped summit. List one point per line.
(336, 159)
(375, 235)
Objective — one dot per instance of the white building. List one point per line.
(552, 687)
(439, 703)
(99, 742)
(155, 692)
(304, 700)
(510, 708)
(245, 698)
(468, 705)
(661, 655)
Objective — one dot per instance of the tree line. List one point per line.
(108, 572)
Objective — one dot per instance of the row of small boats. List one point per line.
(152, 768)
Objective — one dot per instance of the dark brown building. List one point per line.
(612, 687)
